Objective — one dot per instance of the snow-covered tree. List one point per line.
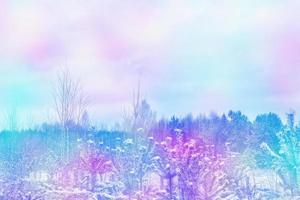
(133, 162)
(191, 169)
(286, 160)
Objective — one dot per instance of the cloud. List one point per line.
(190, 50)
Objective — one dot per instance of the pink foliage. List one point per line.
(96, 163)
(195, 164)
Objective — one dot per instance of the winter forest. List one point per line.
(149, 100)
(200, 157)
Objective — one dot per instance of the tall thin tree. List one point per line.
(70, 102)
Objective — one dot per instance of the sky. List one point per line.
(191, 55)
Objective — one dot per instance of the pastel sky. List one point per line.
(192, 55)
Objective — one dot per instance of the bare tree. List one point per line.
(141, 117)
(11, 117)
(70, 102)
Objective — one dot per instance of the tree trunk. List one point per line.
(141, 182)
(294, 182)
(170, 187)
(93, 181)
(161, 182)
